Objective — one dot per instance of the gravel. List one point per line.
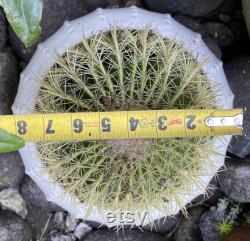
(39, 221)
(63, 237)
(67, 228)
(13, 228)
(221, 26)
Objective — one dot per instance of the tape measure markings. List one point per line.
(123, 124)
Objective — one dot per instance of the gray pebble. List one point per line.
(238, 74)
(235, 180)
(227, 9)
(3, 30)
(33, 195)
(13, 228)
(10, 199)
(39, 221)
(191, 23)
(126, 235)
(195, 8)
(224, 18)
(219, 32)
(71, 222)
(138, 3)
(66, 227)
(62, 237)
(9, 76)
(81, 230)
(239, 30)
(92, 5)
(209, 223)
(11, 170)
(213, 46)
(188, 229)
(58, 220)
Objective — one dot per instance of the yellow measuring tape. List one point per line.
(124, 124)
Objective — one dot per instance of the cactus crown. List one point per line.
(127, 70)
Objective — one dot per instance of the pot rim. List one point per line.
(68, 36)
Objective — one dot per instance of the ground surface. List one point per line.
(26, 215)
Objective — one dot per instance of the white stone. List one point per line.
(10, 199)
(81, 230)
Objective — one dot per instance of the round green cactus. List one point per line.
(127, 70)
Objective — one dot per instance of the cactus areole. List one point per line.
(123, 59)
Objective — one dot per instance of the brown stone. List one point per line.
(239, 234)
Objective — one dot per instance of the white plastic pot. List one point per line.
(69, 35)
